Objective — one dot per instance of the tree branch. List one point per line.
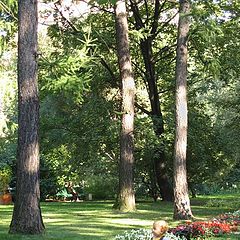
(107, 67)
(63, 17)
(147, 12)
(162, 50)
(136, 14)
(142, 109)
(142, 72)
(155, 17)
(165, 23)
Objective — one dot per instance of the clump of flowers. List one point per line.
(135, 234)
(231, 218)
(144, 234)
(197, 230)
(189, 231)
(171, 236)
(216, 228)
(222, 224)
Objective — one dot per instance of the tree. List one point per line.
(126, 198)
(212, 78)
(27, 217)
(182, 209)
(151, 26)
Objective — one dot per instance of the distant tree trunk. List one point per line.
(157, 119)
(27, 218)
(126, 198)
(182, 209)
(146, 46)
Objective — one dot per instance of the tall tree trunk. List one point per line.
(182, 209)
(146, 46)
(27, 218)
(126, 198)
(160, 171)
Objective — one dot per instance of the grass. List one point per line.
(97, 220)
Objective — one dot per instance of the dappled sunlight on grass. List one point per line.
(133, 222)
(97, 220)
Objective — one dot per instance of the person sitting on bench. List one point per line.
(71, 190)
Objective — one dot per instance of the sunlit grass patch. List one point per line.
(97, 220)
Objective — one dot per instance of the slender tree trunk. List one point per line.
(27, 218)
(182, 209)
(126, 198)
(160, 171)
(146, 46)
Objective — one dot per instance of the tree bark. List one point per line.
(182, 209)
(146, 46)
(126, 198)
(27, 218)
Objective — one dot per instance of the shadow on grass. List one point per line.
(97, 220)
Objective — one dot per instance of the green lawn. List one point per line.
(97, 220)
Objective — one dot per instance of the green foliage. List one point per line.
(5, 177)
(223, 203)
(8, 93)
(80, 98)
(49, 179)
(68, 70)
(79, 128)
(55, 169)
(212, 78)
(8, 19)
(8, 118)
(223, 199)
(102, 187)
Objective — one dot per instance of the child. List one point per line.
(159, 229)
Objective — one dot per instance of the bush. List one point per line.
(101, 187)
(5, 177)
(223, 203)
(48, 180)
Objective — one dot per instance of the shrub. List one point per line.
(223, 203)
(102, 187)
(5, 177)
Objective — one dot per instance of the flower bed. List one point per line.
(201, 229)
(218, 226)
(222, 224)
(232, 218)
